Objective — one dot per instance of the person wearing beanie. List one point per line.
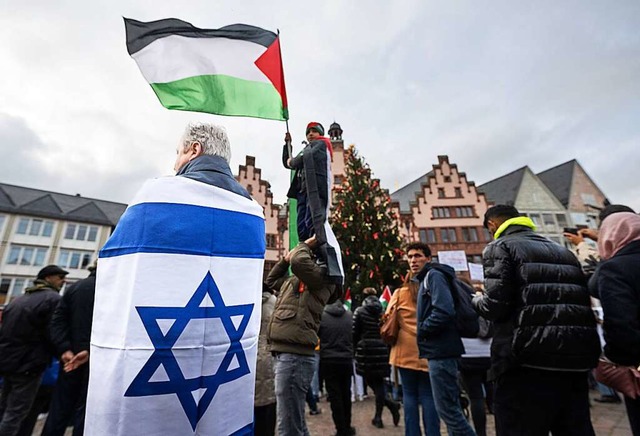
(311, 188)
(25, 347)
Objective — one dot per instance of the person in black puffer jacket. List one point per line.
(545, 339)
(372, 355)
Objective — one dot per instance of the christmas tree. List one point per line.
(365, 227)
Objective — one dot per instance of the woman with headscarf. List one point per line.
(617, 282)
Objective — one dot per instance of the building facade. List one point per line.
(524, 190)
(576, 191)
(250, 177)
(39, 228)
(443, 209)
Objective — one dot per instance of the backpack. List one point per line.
(466, 320)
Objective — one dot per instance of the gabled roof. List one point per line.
(408, 193)
(46, 204)
(559, 180)
(504, 190)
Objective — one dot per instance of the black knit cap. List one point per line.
(51, 270)
(500, 210)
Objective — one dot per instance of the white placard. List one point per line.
(456, 259)
(476, 272)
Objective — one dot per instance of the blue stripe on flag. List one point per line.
(186, 229)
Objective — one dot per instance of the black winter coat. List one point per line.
(372, 355)
(336, 341)
(72, 319)
(537, 298)
(617, 281)
(25, 345)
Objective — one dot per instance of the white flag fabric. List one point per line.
(177, 314)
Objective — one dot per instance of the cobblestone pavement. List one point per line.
(608, 420)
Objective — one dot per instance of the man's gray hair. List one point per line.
(212, 138)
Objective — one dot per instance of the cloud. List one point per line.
(495, 87)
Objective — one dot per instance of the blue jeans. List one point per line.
(446, 394)
(293, 374)
(416, 389)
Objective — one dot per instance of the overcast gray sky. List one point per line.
(495, 85)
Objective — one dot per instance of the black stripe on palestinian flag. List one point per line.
(140, 34)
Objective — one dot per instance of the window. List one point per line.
(465, 211)
(2, 218)
(469, 234)
(535, 218)
(447, 179)
(428, 236)
(423, 235)
(23, 224)
(47, 230)
(25, 255)
(337, 180)
(82, 232)
(562, 219)
(589, 199)
(272, 240)
(441, 212)
(440, 192)
(448, 235)
(74, 259)
(93, 233)
(11, 288)
(71, 231)
(431, 235)
(458, 192)
(487, 235)
(34, 227)
(548, 220)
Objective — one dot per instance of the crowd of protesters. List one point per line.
(548, 316)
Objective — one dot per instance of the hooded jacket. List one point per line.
(25, 344)
(438, 337)
(372, 355)
(336, 340)
(536, 296)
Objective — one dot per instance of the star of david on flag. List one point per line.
(163, 355)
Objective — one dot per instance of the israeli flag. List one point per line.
(177, 314)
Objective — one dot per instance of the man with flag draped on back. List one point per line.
(177, 306)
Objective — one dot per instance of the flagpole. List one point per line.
(286, 121)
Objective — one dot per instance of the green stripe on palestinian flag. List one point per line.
(347, 299)
(235, 70)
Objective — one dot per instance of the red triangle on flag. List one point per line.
(270, 63)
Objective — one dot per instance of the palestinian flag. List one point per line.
(385, 298)
(347, 299)
(234, 70)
